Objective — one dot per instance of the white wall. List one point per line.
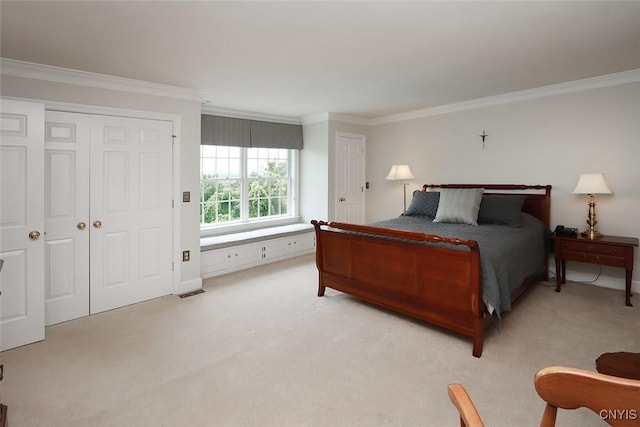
(548, 140)
(317, 167)
(189, 111)
(314, 167)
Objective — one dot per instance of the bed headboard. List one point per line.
(536, 203)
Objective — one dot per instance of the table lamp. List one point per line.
(401, 173)
(592, 183)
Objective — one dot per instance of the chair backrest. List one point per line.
(615, 400)
(469, 416)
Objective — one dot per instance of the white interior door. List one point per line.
(67, 144)
(131, 211)
(350, 178)
(21, 223)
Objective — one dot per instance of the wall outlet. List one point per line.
(186, 256)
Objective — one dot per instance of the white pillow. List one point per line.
(459, 205)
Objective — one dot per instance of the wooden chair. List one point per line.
(469, 416)
(615, 400)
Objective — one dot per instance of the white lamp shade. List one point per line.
(592, 183)
(400, 172)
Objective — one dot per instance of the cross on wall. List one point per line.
(483, 135)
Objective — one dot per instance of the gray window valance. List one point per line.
(217, 130)
(225, 131)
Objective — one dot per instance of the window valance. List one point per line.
(217, 130)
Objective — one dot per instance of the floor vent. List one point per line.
(192, 293)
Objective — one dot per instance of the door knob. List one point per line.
(81, 225)
(342, 199)
(97, 224)
(34, 235)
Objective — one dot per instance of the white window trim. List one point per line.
(237, 227)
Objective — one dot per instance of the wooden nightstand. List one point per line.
(613, 251)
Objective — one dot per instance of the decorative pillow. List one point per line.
(459, 206)
(501, 209)
(424, 203)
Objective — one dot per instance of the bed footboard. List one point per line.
(398, 270)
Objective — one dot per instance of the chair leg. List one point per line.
(549, 416)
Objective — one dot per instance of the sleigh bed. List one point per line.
(428, 265)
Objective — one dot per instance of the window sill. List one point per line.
(241, 238)
(223, 230)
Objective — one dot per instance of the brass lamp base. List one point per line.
(591, 234)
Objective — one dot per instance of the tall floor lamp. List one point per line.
(592, 183)
(401, 173)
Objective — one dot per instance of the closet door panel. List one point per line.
(131, 211)
(67, 145)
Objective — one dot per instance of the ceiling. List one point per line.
(362, 58)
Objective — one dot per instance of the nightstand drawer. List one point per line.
(591, 248)
(613, 261)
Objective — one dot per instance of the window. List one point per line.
(240, 185)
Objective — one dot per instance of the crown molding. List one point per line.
(12, 67)
(30, 70)
(239, 114)
(309, 119)
(325, 117)
(345, 118)
(631, 76)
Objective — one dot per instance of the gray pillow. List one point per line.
(459, 205)
(424, 203)
(501, 209)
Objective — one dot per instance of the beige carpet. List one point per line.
(258, 348)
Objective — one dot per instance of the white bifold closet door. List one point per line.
(66, 211)
(108, 213)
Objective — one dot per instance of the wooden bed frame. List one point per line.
(436, 284)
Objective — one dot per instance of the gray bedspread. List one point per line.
(507, 254)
